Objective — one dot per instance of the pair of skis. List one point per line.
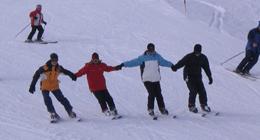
(56, 120)
(201, 114)
(42, 42)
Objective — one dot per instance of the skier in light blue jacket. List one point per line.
(149, 64)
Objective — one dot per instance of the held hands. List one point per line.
(210, 80)
(119, 67)
(254, 44)
(32, 89)
(173, 68)
(73, 77)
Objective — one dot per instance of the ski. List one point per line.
(117, 117)
(41, 42)
(249, 77)
(55, 120)
(154, 117)
(204, 114)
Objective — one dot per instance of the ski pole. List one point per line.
(185, 7)
(231, 58)
(22, 30)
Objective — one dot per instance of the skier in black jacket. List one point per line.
(192, 63)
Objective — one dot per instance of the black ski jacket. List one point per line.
(193, 62)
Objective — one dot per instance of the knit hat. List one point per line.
(54, 56)
(95, 56)
(151, 47)
(197, 48)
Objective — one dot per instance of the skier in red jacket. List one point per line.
(36, 21)
(97, 84)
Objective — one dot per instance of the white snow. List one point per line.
(119, 30)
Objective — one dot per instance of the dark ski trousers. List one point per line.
(105, 99)
(59, 96)
(154, 91)
(34, 28)
(248, 62)
(195, 87)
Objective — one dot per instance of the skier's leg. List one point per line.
(151, 94)
(244, 62)
(48, 101)
(101, 100)
(251, 63)
(30, 36)
(192, 94)
(63, 100)
(40, 33)
(159, 98)
(202, 94)
(109, 100)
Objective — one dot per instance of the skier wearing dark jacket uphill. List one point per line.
(150, 73)
(49, 83)
(97, 84)
(36, 17)
(192, 64)
(252, 52)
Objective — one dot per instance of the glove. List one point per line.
(32, 89)
(254, 45)
(173, 68)
(119, 67)
(210, 80)
(44, 22)
(74, 77)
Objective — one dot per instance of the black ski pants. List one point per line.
(154, 92)
(105, 99)
(34, 28)
(248, 62)
(195, 87)
(59, 96)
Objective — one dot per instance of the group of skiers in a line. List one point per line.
(149, 63)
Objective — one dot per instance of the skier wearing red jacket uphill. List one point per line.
(97, 84)
(36, 17)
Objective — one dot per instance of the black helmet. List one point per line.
(54, 56)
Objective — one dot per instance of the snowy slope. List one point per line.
(119, 30)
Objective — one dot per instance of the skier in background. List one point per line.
(97, 84)
(36, 20)
(50, 83)
(252, 51)
(149, 63)
(192, 63)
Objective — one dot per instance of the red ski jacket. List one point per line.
(94, 74)
(36, 18)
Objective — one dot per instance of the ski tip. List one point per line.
(174, 117)
(203, 115)
(155, 118)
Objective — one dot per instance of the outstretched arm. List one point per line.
(69, 73)
(81, 72)
(108, 68)
(134, 62)
(163, 62)
(181, 63)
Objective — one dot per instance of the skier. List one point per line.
(36, 20)
(50, 83)
(192, 63)
(97, 84)
(252, 51)
(149, 63)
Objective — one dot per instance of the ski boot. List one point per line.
(164, 111)
(54, 117)
(205, 108)
(113, 112)
(193, 109)
(151, 112)
(107, 112)
(72, 114)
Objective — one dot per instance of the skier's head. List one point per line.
(150, 48)
(95, 58)
(197, 49)
(38, 7)
(54, 57)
